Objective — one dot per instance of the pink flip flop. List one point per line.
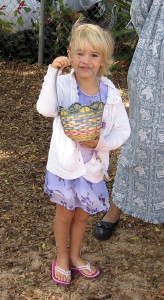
(66, 273)
(86, 267)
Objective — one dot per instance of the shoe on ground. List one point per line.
(104, 230)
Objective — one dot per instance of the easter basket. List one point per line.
(82, 122)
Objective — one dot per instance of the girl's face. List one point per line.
(89, 56)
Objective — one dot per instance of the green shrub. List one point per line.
(19, 46)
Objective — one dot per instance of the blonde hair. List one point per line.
(100, 39)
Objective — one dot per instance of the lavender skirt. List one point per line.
(91, 197)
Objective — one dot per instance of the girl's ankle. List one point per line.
(76, 261)
(62, 259)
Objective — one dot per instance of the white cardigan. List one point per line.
(65, 159)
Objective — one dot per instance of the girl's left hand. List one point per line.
(89, 144)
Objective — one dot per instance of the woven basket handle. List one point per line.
(97, 81)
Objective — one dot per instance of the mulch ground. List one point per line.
(131, 261)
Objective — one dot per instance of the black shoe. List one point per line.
(103, 230)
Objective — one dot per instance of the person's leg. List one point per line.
(113, 214)
(105, 228)
(62, 225)
(78, 228)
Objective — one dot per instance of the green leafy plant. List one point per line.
(57, 28)
(9, 25)
(23, 45)
(4, 24)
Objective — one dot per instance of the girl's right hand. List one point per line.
(60, 62)
(90, 144)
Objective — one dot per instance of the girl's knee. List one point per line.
(64, 214)
(81, 216)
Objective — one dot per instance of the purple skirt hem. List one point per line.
(91, 197)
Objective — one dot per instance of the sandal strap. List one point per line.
(86, 267)
(66, 273)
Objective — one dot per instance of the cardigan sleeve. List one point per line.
(120, 131)
(47, 104)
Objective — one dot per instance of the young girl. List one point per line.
(71, 179)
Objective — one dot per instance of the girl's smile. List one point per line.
(84, 68)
